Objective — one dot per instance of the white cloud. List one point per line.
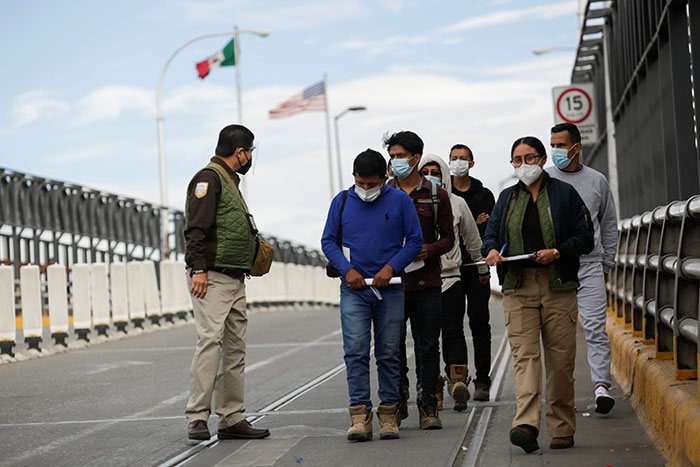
(289, 192)
(538, 66)
(275, 18)
(109, 102)
(33, 105)
(196, 98)
(552, 10)
(83, 153)
(389, 44)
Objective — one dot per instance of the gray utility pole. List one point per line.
(337, 140)
(165, 247)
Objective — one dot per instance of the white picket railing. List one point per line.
(97, 295)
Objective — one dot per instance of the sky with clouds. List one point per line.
(79, 82)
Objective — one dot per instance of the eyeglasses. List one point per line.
(529, 159)
(251, 149)
(433, 172)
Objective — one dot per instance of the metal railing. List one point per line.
(654, 288)
(45, 221)
(653, 71)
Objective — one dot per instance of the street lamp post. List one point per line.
(337, 139)
(165, 248)
(546, 50)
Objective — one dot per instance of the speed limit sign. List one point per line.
(575, 104)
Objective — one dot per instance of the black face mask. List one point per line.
(246, 167)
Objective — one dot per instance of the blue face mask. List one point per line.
(401, 167)
(435, 180)
(560, 157)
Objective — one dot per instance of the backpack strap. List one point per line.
(340, 220)
(434, 200)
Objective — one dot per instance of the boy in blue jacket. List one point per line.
(372, 233)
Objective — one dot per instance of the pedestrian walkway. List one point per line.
(122, 403)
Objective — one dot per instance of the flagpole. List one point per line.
(328, 137)
(237, 65)
(164, 224)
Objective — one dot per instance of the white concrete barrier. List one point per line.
(100, 297)
(30, 287)
(135, 283)
(57, 290)
(168, 288)
(184, 299)
(255, 289)
(8, 330)
(308, 288)
(80, 297)
(120, 295)
(276, 290)
(150, 291)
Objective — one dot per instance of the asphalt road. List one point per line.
(122, 403)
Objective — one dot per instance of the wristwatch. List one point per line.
(557, 255)
(197, 271)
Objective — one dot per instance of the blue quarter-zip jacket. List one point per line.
(373, 232)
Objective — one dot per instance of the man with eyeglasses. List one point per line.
(220, 238)
(423, 282)
(592, 297)
(475, 282)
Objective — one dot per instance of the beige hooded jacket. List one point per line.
(464, 226)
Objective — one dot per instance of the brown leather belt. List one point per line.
(231, 272)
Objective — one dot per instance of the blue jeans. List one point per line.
(358, 310)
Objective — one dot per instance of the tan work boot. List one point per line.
(429, 419)
(440, 394)
(458, 386)
(360, 424)
(388, 421)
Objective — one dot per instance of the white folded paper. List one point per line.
(506, 259)
(414, 266)
(392, 281)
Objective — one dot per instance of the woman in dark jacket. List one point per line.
(546, 217)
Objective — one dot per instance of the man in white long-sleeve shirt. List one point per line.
(593, 187)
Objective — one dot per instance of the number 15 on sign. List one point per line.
(575, 104)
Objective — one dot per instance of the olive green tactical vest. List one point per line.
(231, 242)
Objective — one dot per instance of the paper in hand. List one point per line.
(506, 259)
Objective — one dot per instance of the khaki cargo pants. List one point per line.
(530, 311)
(218, 365)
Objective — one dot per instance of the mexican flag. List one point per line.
(225, 57)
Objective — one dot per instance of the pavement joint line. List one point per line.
(462, 436)
(500, 360)
(171, 400)
(274, 358)
(189, 347)
(76, 344)
(478, 438)
(189, 454)
(59, 442)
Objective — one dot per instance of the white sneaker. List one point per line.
(603, 401)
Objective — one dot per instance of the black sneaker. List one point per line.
(481, 391)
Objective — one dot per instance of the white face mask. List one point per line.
(368, 195)
(528, 173)
(459, 167)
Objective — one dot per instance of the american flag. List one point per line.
(311, 98)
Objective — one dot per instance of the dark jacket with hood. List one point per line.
(479, 199)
